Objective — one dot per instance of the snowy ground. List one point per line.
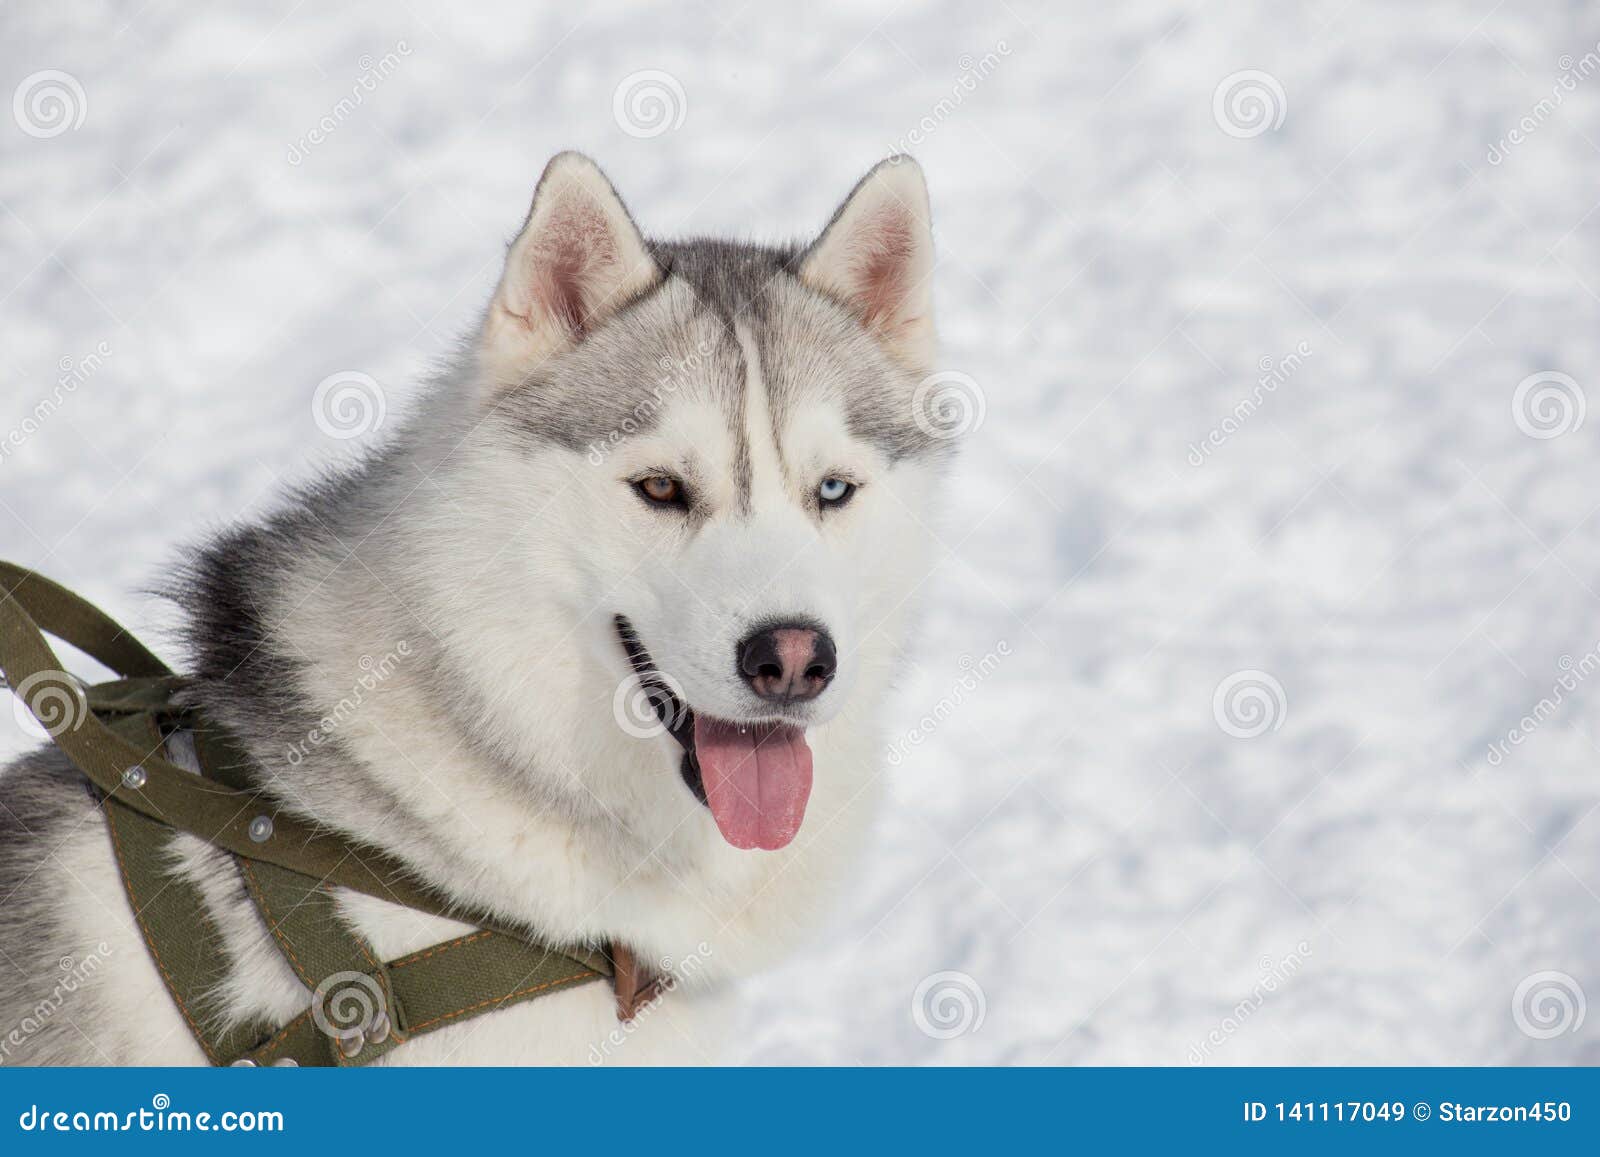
(1080, 836)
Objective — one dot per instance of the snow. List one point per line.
(1116, 876)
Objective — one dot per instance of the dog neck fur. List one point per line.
(419, 653)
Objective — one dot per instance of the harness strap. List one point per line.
(243, 822)
(86, 626)
(174, 920)
(352, 1004)
(361, 1008)
(427, 990)
(164, 791)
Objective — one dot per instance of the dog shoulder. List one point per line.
(79, 986)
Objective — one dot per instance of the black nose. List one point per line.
(788, 662)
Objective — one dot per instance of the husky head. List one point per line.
(711, 483)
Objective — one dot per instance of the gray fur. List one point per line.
(43, 801)
(809, 345)
(342, 552)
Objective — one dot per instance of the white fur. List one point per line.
(507, 567)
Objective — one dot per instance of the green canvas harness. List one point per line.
(362, 1008)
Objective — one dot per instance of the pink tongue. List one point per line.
(757, 780)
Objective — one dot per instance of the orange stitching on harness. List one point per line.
(144, 931)
(459, 942)
(273, 926)
(282, 1035)
(501, 999)
(272, 923)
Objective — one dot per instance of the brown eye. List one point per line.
(661, 490)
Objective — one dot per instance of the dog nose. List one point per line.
(788, 662)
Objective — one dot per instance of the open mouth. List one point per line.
(755, 778)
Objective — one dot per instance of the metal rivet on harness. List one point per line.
(293, 876)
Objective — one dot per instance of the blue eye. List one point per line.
(835, 491)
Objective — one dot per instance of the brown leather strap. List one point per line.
(111, 732)
(636, 985)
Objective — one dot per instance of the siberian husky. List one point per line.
(671, 499)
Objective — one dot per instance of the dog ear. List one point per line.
(876, 257)
(578, 259)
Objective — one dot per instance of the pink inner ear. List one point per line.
(574, 252)
(882, 271)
